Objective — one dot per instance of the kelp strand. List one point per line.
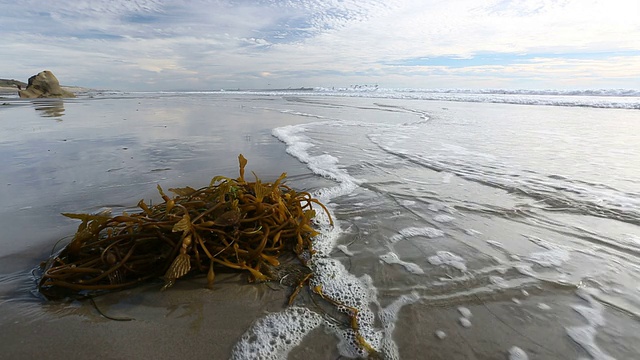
(232, 223)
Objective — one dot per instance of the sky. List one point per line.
(147, 45)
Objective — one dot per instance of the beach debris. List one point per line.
(516, 353)
(230, 224)
(464, 311)
(465, 322)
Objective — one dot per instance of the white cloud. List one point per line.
(209, 44)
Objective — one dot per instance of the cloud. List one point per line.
(147, 44)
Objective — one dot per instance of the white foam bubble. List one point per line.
(543, 306)
(525, 269)
(633, 239)
(325, 241)
(516, 301)
(392, 258)
(440, 334)
(495, 243)
(550, 258)
(275, 335)
(388, 317)
(464, 322)
(407, 202)
(499, 281)
(497, 259)
(442, 218)
(585, 337)
(465, 312)
(626, 99)
(594, 315)
(449, 259)
(330, 276)
(325, 165)
(292, 112)
(341, 286)
(554, 256)
(623, 99)
(515, 353)
(345, 250)
(429, 232)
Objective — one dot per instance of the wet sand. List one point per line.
(185, 322)
(8, 90)
(98, 153)
(79, 160)
(189, 321)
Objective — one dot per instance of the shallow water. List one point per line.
(492, 226)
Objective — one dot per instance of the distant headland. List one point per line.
(7, 85)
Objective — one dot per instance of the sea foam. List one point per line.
(449, 259)
(585, 336)
(275, 335)
(426, 231)
(595, 98)
(331, 279)
(515, 353)
(392, 258)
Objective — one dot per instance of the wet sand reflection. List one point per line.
(49, 108)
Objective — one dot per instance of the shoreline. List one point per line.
(8, 89)
(507, 290)
(5, 90)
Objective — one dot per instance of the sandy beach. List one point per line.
(187, 321)
(8, 90)
(449, 263)
(12, 92)
(462, 180)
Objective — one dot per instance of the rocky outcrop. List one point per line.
(44, 85)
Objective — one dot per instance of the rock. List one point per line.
(44, 85)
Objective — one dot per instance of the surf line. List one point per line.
(335, 280)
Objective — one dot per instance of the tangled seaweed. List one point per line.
(232, 223)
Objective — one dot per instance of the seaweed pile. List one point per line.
(230, 224)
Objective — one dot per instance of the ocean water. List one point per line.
(484, 224)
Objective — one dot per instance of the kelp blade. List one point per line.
(231, 223)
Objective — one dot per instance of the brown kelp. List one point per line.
(232, 223)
